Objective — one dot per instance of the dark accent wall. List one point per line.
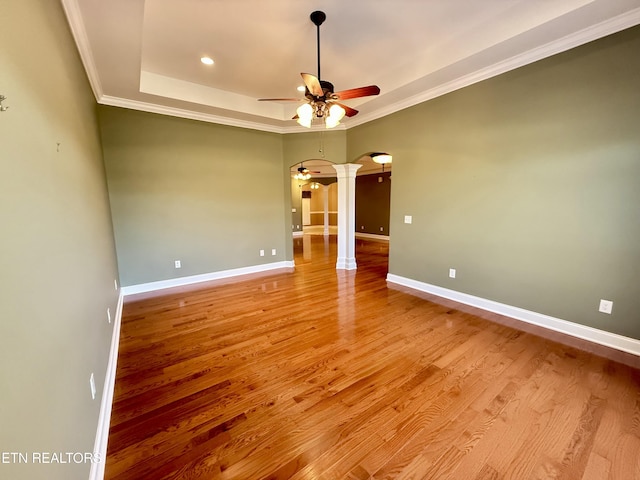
(373, 202)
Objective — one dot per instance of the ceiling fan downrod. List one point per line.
(318, 19)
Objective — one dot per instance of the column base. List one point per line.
(346, 263)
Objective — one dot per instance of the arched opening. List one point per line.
(314, 208)
(323, 204)
(373, 198)
(373, 211)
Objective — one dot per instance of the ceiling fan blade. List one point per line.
(313, 84)
(349, 112)
(278, 99)
(358, 92)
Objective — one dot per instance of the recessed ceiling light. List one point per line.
(301, 88)
(206, 60)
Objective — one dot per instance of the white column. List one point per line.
(325, 190)
(346, 216)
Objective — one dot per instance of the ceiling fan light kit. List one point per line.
(303, 173)
(321, 100)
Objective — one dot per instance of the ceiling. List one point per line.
(145, 54)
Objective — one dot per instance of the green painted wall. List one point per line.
(296, 204)
(528, 184)
(211, 196)
(322, 144)
(57, 257)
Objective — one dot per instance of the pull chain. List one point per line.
(321, 147)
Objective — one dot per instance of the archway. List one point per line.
(314, 171)
(373, 199)
(314, 208)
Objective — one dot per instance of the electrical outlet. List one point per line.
(606, 306)
(382, 229)
(452, 273)
(92, 384)
(108, 315)
(273, 251)
(361, 227)
(408, 219)
(262, 253)
(178, 264)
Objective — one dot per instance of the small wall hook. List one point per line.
(2, 107)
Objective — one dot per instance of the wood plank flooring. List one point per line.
(315, 373)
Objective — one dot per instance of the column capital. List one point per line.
(346, 170)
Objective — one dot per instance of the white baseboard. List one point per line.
(205, 277)
(373, 236)
(601, 337)
(104, 420)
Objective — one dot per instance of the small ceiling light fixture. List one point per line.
(336, 113)
(315, 186)
(207, 60)
(305, 114)
(381, 158)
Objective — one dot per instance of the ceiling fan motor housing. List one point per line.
(318, 18)
(327, 91)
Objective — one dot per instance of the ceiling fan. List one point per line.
(304, 173)
(320, 99)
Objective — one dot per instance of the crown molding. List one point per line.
(594, 32)
(207, 117)
(188, 114)
(79, 33)
(586, 35)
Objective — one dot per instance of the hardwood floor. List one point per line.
(324, 374)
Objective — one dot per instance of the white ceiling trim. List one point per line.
(79, 33)
(207, 117)
(568, 42)
(188, 114)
